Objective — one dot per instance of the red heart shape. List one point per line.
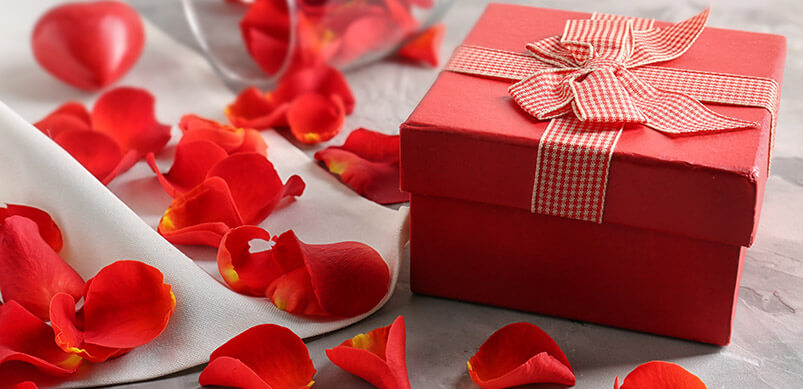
(89, 45)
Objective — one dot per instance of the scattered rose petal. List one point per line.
(31, 272)
(232, 139)
(25, 385)
(26, 338)
(315, 118)
(246, 272)
(660, 375)
(424, 47)
(368, 162)
(126, 305)
(342, 279)
(255, 185)
(377, 357)
(519, 354)
(48, 229)
(202, 215)
(120, 130)
(191, 163)
(127, 115)
(253, 109)
(265, 356)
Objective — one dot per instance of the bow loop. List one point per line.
(589, 39)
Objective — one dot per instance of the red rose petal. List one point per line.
(367, 34)
(660, 375)
(127, 304)
(425, 47)
(26, 338)
(191, 163)
(346, 279)
(70, 116)
(201, 216)
(369, 163)
(48, 229)
(25, 385)
(324, 80)
(31, 272)
(266, 31)
(231, 139)
(95, 151)
(255, 185)
(265, 356)
(252, 109)
(377, 357)
(246, 272)
(315, 118)
(127, 115)
(519, 354)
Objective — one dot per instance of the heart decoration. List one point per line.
(89, 45)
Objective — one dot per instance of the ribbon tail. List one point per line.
(668, 43)
(677, 113)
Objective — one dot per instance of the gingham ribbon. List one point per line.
(595, 78)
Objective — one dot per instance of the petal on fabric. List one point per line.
(315, 118)
(377, 356)
(230, 138)
(191, 163)
(127, 115)
(519, 354)
(265, 356)
(252, 109)
(31, 272)
(253, 142)
(266, 31)
(255, 185)
(48, 229)
(201, 216)
(70, 116)
(245, 271)
(67, 326)
(660, 375)
(95, 151)
(425, 47)
(324, 80)
(368, 162)
(26, 338)
(346, 278)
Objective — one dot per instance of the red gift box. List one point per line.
(679, 211)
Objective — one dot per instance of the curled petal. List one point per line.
(660, 375)
(31, 272)
(424, 47)
(255, 185)
(377, 357)
(25, 385)
(252, 109)
(266, 31)
(342, 279)
(315, 118)
(191, 163)
(324, 80)
(519, 354)
(26, 338)
(369, 163)
(201, 216)
(48, 229)
(70, 116)
(95, 151)
(265, 356)
(231, 139)
(246, 272)
(127, 304)
(127, 115)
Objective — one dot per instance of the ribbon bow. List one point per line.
(591, 77)
(595, 78)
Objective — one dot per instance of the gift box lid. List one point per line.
(469, 140)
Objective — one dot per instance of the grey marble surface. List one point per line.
(767, 347)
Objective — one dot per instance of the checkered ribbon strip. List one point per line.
(595, 78)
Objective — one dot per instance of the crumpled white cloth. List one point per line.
(102, 225)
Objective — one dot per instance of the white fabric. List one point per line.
(99, 228)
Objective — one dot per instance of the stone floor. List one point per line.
(767, 348)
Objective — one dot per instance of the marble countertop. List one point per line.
(767, 347)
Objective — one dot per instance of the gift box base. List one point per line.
(620, 276)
